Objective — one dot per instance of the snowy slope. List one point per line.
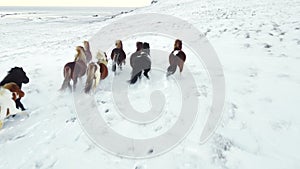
(257, 43)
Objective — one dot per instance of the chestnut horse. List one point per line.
(96, 72)
(176, 58)
(18, 76)
(74, 70)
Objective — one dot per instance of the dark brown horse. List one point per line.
(74, 70)
(118, 56)
(176, 58)
(140, 61)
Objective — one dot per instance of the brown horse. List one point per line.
(118, 56)
(74, 70)
(87, 51)
(96, 72)
(176, 58)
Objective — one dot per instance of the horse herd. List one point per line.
(140, 62)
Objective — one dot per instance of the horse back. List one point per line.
(78, 69)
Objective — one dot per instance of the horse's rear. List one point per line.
(73, 71)
(93, 77)
(176, 58)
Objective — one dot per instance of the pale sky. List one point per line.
(83, 3)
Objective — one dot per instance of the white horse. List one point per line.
(7, 105)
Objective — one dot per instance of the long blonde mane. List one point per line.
(80, 56)
(101, 57)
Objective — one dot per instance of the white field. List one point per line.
(260, 124)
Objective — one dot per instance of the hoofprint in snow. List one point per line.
(256, 41)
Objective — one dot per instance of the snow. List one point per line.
(258, 46)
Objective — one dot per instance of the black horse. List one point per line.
(140, 61)
(18, 76)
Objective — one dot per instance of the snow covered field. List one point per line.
(257, 43)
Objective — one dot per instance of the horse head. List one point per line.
(18, 75)
(178, 44)
(119, 44)
(86, 44)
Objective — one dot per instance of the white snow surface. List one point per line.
(256, 41)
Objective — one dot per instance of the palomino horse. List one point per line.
(96, 72)
(118, 56)
(18, 76)
(87, 51)
(74, 70)
(176, 58)
(7, 104)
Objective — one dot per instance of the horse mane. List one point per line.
(139, 46)
(178, 44)
(119, 44)
(86, 44)
(15, 69)
(80, 54)
(101, 57)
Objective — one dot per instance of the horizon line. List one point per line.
(62, 6)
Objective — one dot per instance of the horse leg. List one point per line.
(19, 104)
(135, 78)
(171, 69)
(74, 83)
(67, 75)
(146, 71)
(180, 65)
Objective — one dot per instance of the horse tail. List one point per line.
(92, 68)
(103, 70)
(68, 77)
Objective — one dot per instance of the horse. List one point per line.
(17, 93)
(7, 105)
(139, 61)
(18, 76)
(96, 72)
(74, 70)
(87, 51)
(176, 58)
(118, 56)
